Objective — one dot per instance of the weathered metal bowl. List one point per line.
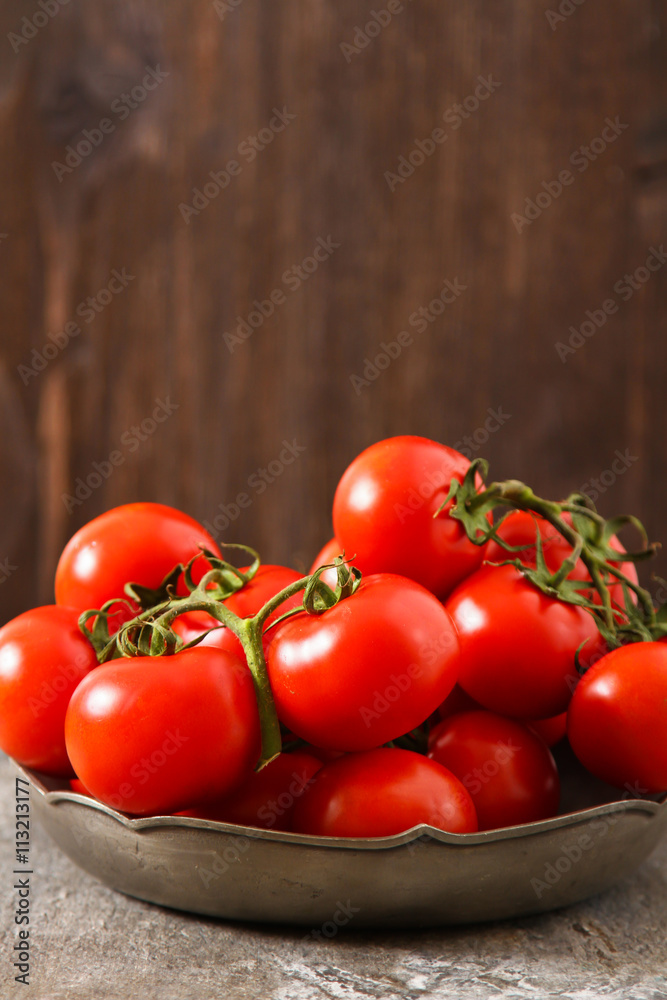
(422, 877)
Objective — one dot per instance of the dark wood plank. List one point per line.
(323, 176)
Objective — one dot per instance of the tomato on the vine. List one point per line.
(520, 528)
(617, 720)
(507, 769)
(268, 581)
(134, 543)
(518, 645)
(153, 734)
(43, 656)
(384, 508)
(382, 792)
(367, 670)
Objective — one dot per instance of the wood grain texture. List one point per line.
(323, 176)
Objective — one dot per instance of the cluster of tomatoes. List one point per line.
(424, 686)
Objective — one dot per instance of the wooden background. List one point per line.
(323, 176)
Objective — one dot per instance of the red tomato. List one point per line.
(617, 721)
(43, 656)
(383, 513)
(266, 798)
(550, 730)
(78, 786)
(518, 645)
(457, 701)
(382, 792)
(135, 543)
(366, 671)
(326, 555)
(267, 582)
(153, 734)
(520, 529)
(508, 770)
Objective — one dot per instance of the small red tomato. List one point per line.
(152, 734)
(134, 543)
(326, 555)
(508, 770)
(518, 645)
(78, 786)
(550, 730)
(266, 798)
(43, 656)
(520, 528)
(617, 720)
(367, 670)
(384, 508)
(382, 792)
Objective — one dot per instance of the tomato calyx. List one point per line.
(586, 532)
(150, 633)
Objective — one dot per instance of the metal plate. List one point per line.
(423, 877)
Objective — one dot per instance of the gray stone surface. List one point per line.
(92, 942)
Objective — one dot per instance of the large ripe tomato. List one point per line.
(43, 656)
(507, 769)
(382, 792)
(154, 734)
(518, 645)
(135, 543)
(383, 513)
(367, 670)
(617, 720)
(268, 581)
(266, 798)
(520, 528)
